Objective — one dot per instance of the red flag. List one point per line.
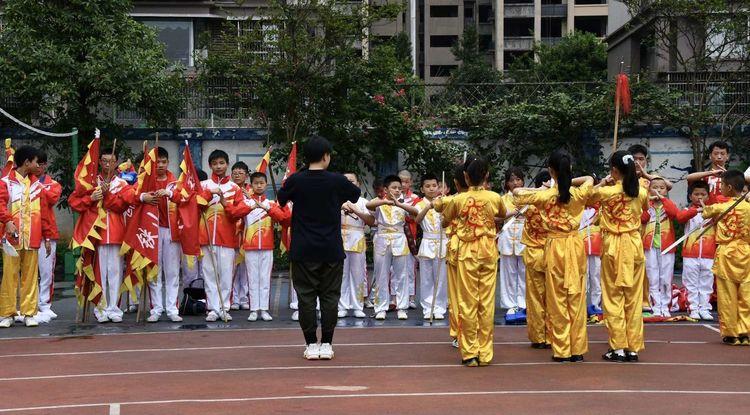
(189, 186)
(622, 93)
(291, 168)
(8, 158)
(264, 162)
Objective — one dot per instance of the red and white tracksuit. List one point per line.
(52, 192)
(512, 267)
(697, 261)
(354, 279)
(592, 242)
(432, 267)
(167, 282)
(659, 268)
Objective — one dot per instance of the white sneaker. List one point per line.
(30, 321)
(102, 318)
(115, 318)
(234, 307)
(412, 305)
(212, 316)
(295, 315)
(695, 315)
(42, 317)
(226, 316)
(426, 316)
(253, 316)
(19, 318)
(52, 315)
(359, 314)
(175, 318)
(244, 306)
(265, 316)
(342, 313)
(153, 318)
(439, 316)
(6, 322)
(326, 351)
(706, 315)
(312, 352)
(402, 315)
(380, 315)
(454, 343)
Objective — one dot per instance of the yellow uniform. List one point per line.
(475, 212)
(534, 237)
(565, 262)
(732, 267)
(623, 265)
(451, 266)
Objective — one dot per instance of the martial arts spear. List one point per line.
(439, 253)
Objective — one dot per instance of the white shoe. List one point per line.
(116, 318)
(253, 316)
(511, 311)
(42, 317)
(454, 343)
(6, 322)
(312, 352)
(295, 315)
(439, 316)
(244, 306)
(695, 315)
(153, 318)
(52, 315)
(30, 321)
(380, 315)
(326, 351)
(212, 316)
(20, 318)
(412, 305)
(426, 316)
(265, 316)
(175, 318)
(342, 313)
(706, 315)
(226, 316)
(402, 315)
(234, 307)
(102, 318)
(359, 314)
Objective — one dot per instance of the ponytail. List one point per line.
(625, 164)
(560, 162)
(476, 168)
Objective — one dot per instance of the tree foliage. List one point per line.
(579, 57)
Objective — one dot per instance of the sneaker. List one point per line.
(631, 356)
(42, 317)
(265, 316)
(706, 315)
(369, 304)
(614, 356)
(30, 321)
(454, 343)
(244, 306)
(295, 316)
(212, 316)
(560, 359)
(426, 316)
(576, 358)
(19, 318)
(380, 315)
(312, 352)
(326, 351)
(732, 341)
(744, 340)
(175, 318)
(471, 362)
(153, 318)
(412, 305)
(234, 307)
(540, 346)
(359, 314)
(52, 315)
(226, 316)
(439, 316)
(102, 318)
(511, 311)
(6, 322)
(695, 315)
(115, 318)
(402, 315)
(342, 313)
(254, 316)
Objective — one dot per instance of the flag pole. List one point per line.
(617, 111)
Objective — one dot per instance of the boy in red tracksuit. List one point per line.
(241, 285)
(659, 234)
(52, 192)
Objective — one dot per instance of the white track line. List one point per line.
(294, 345)
(346, 367)
(114, 409)
(710, 327)
(388, 395)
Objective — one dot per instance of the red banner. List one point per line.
(189, 186)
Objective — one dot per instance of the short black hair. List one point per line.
(428, 176)
(316, 148)
(356, 176)
(458, 175)
(202, 175)
(718, 144)
(24, 154)
(734, 178)
(241, 165)
(107, 151)
(541, 177)
(638, 149)
(390, 179)
(699, 184)
(218, 154)
(512, 171)
(257, 175)
(41, 156)
(162, 153)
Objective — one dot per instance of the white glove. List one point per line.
(97, 133)
(251, 203)
(266, 204)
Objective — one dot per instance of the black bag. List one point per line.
(191, 304)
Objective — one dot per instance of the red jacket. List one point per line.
(667, 229)
(168, 206)
(52, 193)
(221, 222)
(705, 247)
(114, 205)
(258, 224)
(22, 200)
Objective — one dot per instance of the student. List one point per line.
(258, 243)
(22, 207)
(240, 285)
(432, 269)
(52, 192)
(512, 268)
(451, 260)
(411, 199)
(622, 202)
(390, 248)
(475, 212)
(718, 153)
(732, 263)
(698, 254)
(219, 235)
(379, 191)
(640, 155)
(659, 234)
(561, 208)
(592, 242)
(192, 273)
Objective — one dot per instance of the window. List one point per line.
(552, 27)
(728, 40)
(443, 41)
(177, 36)
(519, 27)
(443, 11)
(592, 24)
(485, 13)
(485, 42)
(437, 71)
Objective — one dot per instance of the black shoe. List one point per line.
(561, 359)
(576, 358)
(611, 356)
(732, 341)
(631, 356)
(744, 340)
(471, 362)
(538, 345)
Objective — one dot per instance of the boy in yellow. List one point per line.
(561, 208)
(475, 212)
(622, 201)
(732, 262)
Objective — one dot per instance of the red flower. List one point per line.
(379, 98)
(400, 80)
(400, 92)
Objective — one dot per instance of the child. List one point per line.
(451, 260)
(475, 212)
(219, 235)
(432, 270)
(561, 208)
(258, 244)
(622, 202)
(22, 207)
(190, 274)
(659, 234)
(354, 218)
(592, 242)
(379, 191)
(391, 248)
(52, 192)
(718, 153)
(240, 285)
(698, 254)
(640, 155)
(512, 268)
(411, 199)
(732, 263)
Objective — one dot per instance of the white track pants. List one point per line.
(512, 281)
(659, 270)
(353, 282)
(259, 265)
(224, 258)
(167, 282)
(110, 268)
(699, 281)
(241, 285)
(428, 277)
(594, 267)
(46, 276)
(399, 280)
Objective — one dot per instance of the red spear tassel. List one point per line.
(622, 93)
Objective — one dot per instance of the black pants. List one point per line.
(313, 280)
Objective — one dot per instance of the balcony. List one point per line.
(554, 10)
(520, 43)
(519, 10)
